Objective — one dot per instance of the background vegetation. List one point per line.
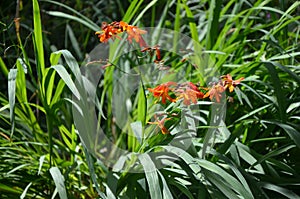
(41, 155)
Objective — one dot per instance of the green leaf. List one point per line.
(93, 27)
(248, 157)
(38, 37)
(235, 169)
(280, 96)
(151, 176)
(41, 161)
(67, 79)
(293, 106)
(5, 188)
(3, 67)
(74, 41)
(213, 23)
(285, 56)
(72, 63)
(12, 75)
(253, 112)
(132, 10)
(293, 133)
(109, 193)
(196, 59)
(54, 58)
(142, 105)
(66, 135)
(48, 83)
(21, 91)
(81, 16)
(137, 129)
(4, 107)
(278, 189)
(221, 185)
(58, 91)
(275, 152)
(166, 190)
(59, 182)
(93, 175)
(285, 69)
(241, 95)
(177, 26)
(231, 181)
(25, 191)
(183, 188)
(186, 157)
(142, 12)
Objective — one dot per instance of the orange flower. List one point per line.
(136, 34)
(215, 92)
(190, 93)
(229, 83)
(161, 124)
(163, 92)
(111, 30)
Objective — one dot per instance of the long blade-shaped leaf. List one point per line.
(59, 182)
(67, 79)
(151, 176)
(38, 37)
(231, 181)
(292, 132)
(12, 75)
(281, 101)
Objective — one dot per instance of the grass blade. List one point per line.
(59, 182)
(84, 18)
(293, 133)
(131, 11)
(213, 23)
(21, 81)
(276, 152)
(74, 41)
(25, 191)
(90, 162)
(281, 101)
(166, 190)
(12, 75)
(3, 67)
(231, 181)
(93, 27)
(67, 79)
(151, 176)
(278, 189)
(38, 37)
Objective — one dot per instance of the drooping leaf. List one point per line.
(59, 182)
(291, 131)
(67, 79)
(151, 176)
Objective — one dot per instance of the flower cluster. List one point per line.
(162, 91)
(187, 91)
(113, 29)
(225, 82)
(190, 93)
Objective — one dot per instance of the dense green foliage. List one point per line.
(254, 154)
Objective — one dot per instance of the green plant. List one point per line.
(252, 153)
